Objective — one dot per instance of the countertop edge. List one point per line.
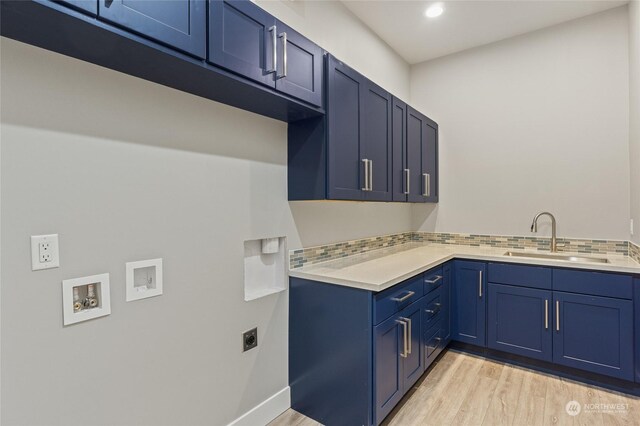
(380, 286)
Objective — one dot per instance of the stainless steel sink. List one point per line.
(557, 257)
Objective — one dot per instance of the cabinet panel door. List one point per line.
(413, 364)
(594, 333)
(469, 302)
(90, 6)
(376, 140)
(241, 39)
(177, 23)
(388, 383)
(519, 321)
(430, 162)
(344, 99)
(303, 76)
(446, 303)
(415, 135)
(399, 150)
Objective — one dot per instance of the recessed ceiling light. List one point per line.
(434, 10)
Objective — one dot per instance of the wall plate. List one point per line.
(44, 252)
(144, 279)
(103, 296)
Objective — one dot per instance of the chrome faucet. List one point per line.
(534, 228)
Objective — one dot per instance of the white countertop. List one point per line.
(380, 269)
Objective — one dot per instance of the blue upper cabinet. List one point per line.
(90, 6)
(243, 38)
(430, 162)
(248, 41)
(180, 24)
(422, 157)
(299, 65)
(400, 176)
(519, 321)
(347, 167)
(376, 141)
(358, 136)
(468, 302)
(594, 333)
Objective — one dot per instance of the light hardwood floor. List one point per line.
(463, 389)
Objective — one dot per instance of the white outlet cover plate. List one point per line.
(152, 269)
(36, 240)
(104, 296)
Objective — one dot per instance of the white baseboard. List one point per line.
(266, 411)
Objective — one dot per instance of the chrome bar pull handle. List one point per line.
(404, 337)
(409, 295)
(546, 314)
(406, 181)
(274, 41)
(435, 280)
(557, 315)
(366, 174)
(426, 182)
(409, 334)
(283, 36)
(370, 175)
(480, 284)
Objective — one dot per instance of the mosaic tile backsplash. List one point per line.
(634, 252)
(311, 255)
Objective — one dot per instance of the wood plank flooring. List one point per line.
(463, 389)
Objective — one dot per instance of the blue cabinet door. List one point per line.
(242, 39)
(180, 24)
(446, 303)
(430, 162)
(594, 333)
(388, 355)
(415, 136)
(301, 74)
(422, 157)
(413, 362)
(399, 150)
(90, 6)
(346, 168)
(376, 140)
(519, 321)
(469, 306)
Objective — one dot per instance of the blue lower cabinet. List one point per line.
(413, 361)
(389, 350)
(469, 302)
(447, 273)
(178, 24)
(594, 333)
(519, 321)
(398, 360)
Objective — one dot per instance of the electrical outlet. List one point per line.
(44, 252)
(249, 339)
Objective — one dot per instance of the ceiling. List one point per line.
(465, 24)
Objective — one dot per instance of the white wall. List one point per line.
(537, 122)
(334, 27)
(126, 170)
(634, 114)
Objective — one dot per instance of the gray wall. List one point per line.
(128, 170)
(536, 122)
